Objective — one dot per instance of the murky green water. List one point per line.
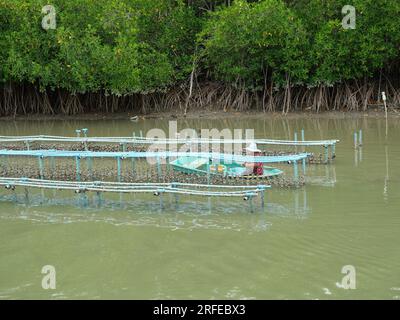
(347, 215)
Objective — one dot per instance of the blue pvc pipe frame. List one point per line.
(153, 154)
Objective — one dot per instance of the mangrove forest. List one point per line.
(83, 56)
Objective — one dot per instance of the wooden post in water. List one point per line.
(386, 112)
(295, 140)
(360, 138)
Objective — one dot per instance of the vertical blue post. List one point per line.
(85, 131)
(98, 194)
(334, 151)
(355, 140)
(250, 199)
(296, 202)
(3, 162)
(167, 164)
(262, 191)
(41, 167)
(53, 164)
(78, 168)
(173, 185)
(355, 157)
(360, 138)
(160, 194)
(27, 145)
(326, 153)
(303, 149)
(133, 165)
(26, 196)
(133, 148)
(208, 170)
(119, 168)
(158, 168)
(15, 198)
(295, 140)
(90, 166)
(84, 199)
(295, 172)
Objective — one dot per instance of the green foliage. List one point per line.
(142, 46)
(339, 54)
(97, 45)
(245, 41)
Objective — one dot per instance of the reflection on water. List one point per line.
(347, 214)
(186, 214)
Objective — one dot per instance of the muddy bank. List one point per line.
(207, 114)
